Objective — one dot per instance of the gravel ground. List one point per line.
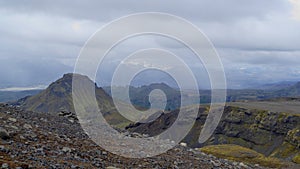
(41, 140)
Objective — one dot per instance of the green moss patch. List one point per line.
(286, 150)
(296, 159)
(242, 154)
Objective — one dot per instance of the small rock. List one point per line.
(4, 165)
(22, 137)
(12, 119)
(3, 149)
(110, 167)
(27, 126)
(61, 113)
(76, 156)
(216, 163)
(4, 134)
(31, 135)
(248, 112)
(145, 135)
(39, 150)
(66, 150)
(136, 135)
(74, 166)
(71, 120)
(183, 144)
(14, 127)
(243, 165)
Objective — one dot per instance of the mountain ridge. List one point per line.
(58, 98)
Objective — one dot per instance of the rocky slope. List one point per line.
(46, 140)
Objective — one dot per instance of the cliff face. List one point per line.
(263, 131)
(266, 132)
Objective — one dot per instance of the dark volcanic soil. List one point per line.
(43, 140)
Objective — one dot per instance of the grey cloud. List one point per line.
(257, 40)
(261, 58)
(215, 10)
(24, 72)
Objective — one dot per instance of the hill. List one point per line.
(58, 98)
(293, 90)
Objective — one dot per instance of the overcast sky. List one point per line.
(257, 40)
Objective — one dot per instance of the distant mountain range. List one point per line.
(139, 96)
(276, 86)
(7, 96)
(293, 90)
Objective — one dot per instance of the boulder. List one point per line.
(4, 134)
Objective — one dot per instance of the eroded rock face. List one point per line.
(293, 137)
(263, 131)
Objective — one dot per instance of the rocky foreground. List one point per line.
(44, 140)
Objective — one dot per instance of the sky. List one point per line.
(258, 41)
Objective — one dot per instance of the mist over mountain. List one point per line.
(139, 95)
(9, 96)
(34, 72)
(293, 90)
(275, 86)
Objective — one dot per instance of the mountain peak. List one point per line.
(58, 96)
(69, 76)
